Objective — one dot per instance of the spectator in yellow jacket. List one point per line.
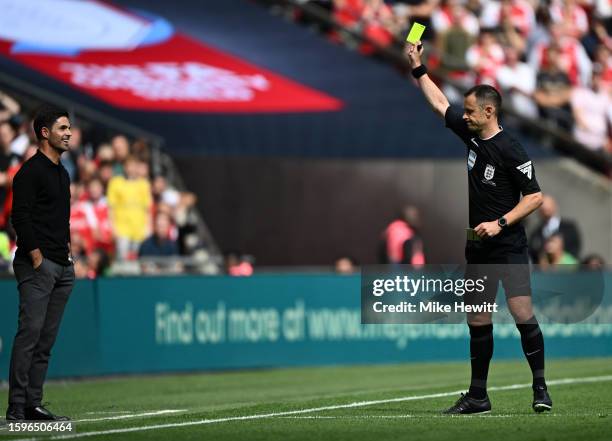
(129, 198)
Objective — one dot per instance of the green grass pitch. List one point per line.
(336, 403)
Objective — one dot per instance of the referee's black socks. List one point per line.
(481, 351)
(533, 347)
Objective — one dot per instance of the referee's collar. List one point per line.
(501, 129)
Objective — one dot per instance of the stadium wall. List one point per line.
(147, 325)
(310, 212)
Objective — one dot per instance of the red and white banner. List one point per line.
(130, 70)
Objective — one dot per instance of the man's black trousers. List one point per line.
(43, 294)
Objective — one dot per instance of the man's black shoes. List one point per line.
(541, 399)
(469, 406)
(15, 412)
(39, 413)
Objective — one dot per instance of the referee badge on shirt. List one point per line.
(489, 172)
(471, 159)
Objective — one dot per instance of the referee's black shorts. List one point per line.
(508, 265)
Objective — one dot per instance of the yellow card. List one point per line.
(416, 32)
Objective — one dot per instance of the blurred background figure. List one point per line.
(517, 81)
(238, 265)
(129, 199)
(73, 158)
(593, 262)
(345, 265)
(8, 106)
(553, 92)
(5, 251)
(160, 246)
(518, 13)
(590, 109)
(14, 135)
(569, 56)
(551, 223)
(486, 57)
(571, 15)
(160, 243)
(553, 254)
(121, 151)
(402, 243)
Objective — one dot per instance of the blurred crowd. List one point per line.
(552, 59)
(120, 211)
(554, 242)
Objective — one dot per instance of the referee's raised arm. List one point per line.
(434, 95)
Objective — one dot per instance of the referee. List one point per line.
(43, 267)
(499, 171)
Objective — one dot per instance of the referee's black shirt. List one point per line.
(41, 209)
(499, 170)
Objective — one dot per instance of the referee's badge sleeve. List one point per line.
(521, 169)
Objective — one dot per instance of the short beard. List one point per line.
(59, 146)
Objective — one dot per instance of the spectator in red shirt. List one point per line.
(573, 59)
(486, 57)
(519, 13)
(402, 241)
(380, 25)
(80, 225)
(99, 217)
(571, 14)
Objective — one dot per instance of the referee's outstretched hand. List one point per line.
(413, 53)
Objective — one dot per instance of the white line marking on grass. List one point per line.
(132, 415)
(358, 417)
(562, 381)
(108, 412)
(376, 417)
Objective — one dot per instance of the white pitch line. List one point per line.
(108, 412)
(365, 417)
(562, 381)
(385, 417)
(131, 415)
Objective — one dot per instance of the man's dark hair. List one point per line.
(486, 94)
(45, 117)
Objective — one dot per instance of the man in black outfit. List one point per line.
(499, 171)
(43, 265)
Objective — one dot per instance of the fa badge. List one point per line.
(489, 172)
(471, 159)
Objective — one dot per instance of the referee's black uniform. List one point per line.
(40, 216)
(499, 170)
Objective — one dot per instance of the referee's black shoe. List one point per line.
(469, 406)
(541, 399)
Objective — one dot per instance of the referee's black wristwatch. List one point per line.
(502, 222)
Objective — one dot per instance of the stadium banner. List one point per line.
(134, 60)
(77, 351)
(159, 324)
